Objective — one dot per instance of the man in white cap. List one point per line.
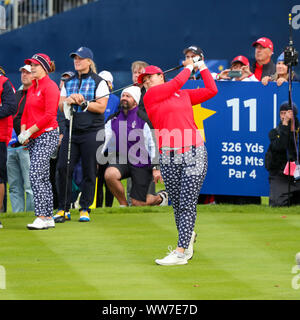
(18, 161)
(129, 138)
(111, 108)
(113, 100)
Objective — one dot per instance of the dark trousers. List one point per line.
(279, 195)
(109, 198)
(3, 160)
(83, 146)
(3, 173)
(53, 163)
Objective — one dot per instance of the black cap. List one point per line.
(195, 50)
(67, 73)
(286, 106)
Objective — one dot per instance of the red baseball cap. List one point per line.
(149, 70)
(40, 58)
(265, 42)
(241, 59)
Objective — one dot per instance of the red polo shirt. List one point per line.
(41, 106)
(258, 71)
(170, 109)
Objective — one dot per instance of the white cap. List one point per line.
(106, 75)
(134, 91)
(27, 67)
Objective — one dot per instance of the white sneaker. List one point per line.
(173, 258)
(50, 223)
(164, 196)
(38, 224)
(190, 250)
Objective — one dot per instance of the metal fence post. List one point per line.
(50, 8)
(2, 18)
(15, 15)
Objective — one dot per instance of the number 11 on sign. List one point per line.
(235, 104)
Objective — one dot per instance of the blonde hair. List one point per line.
(138, 65)
(276, 76)
(93, 65)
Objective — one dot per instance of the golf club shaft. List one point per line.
(68, 161)
(173, 69)
(132, 84)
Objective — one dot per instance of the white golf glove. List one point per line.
(196, 58)
(67, 110)
(200, 64)
(23, 136)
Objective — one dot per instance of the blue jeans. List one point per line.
(18, 163)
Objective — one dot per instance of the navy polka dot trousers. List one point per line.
(40, 151)
(183, 175)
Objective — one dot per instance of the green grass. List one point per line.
(242, 252)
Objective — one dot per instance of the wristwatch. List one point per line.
(157, 167)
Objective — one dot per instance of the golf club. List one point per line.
(85, 103)
(62, 218)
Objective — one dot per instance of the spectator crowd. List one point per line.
(50, 138)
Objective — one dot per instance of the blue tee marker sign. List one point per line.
(235, 125)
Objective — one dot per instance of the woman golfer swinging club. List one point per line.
(183, 156)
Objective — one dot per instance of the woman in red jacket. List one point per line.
(8, 107)
(183, 157)
(39, 132)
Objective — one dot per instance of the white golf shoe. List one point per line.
(38, 224)
(190, 250)
(173, 258)
(50, 223)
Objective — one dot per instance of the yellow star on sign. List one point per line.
(200, 114)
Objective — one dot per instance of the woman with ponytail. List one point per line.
(39, 132)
